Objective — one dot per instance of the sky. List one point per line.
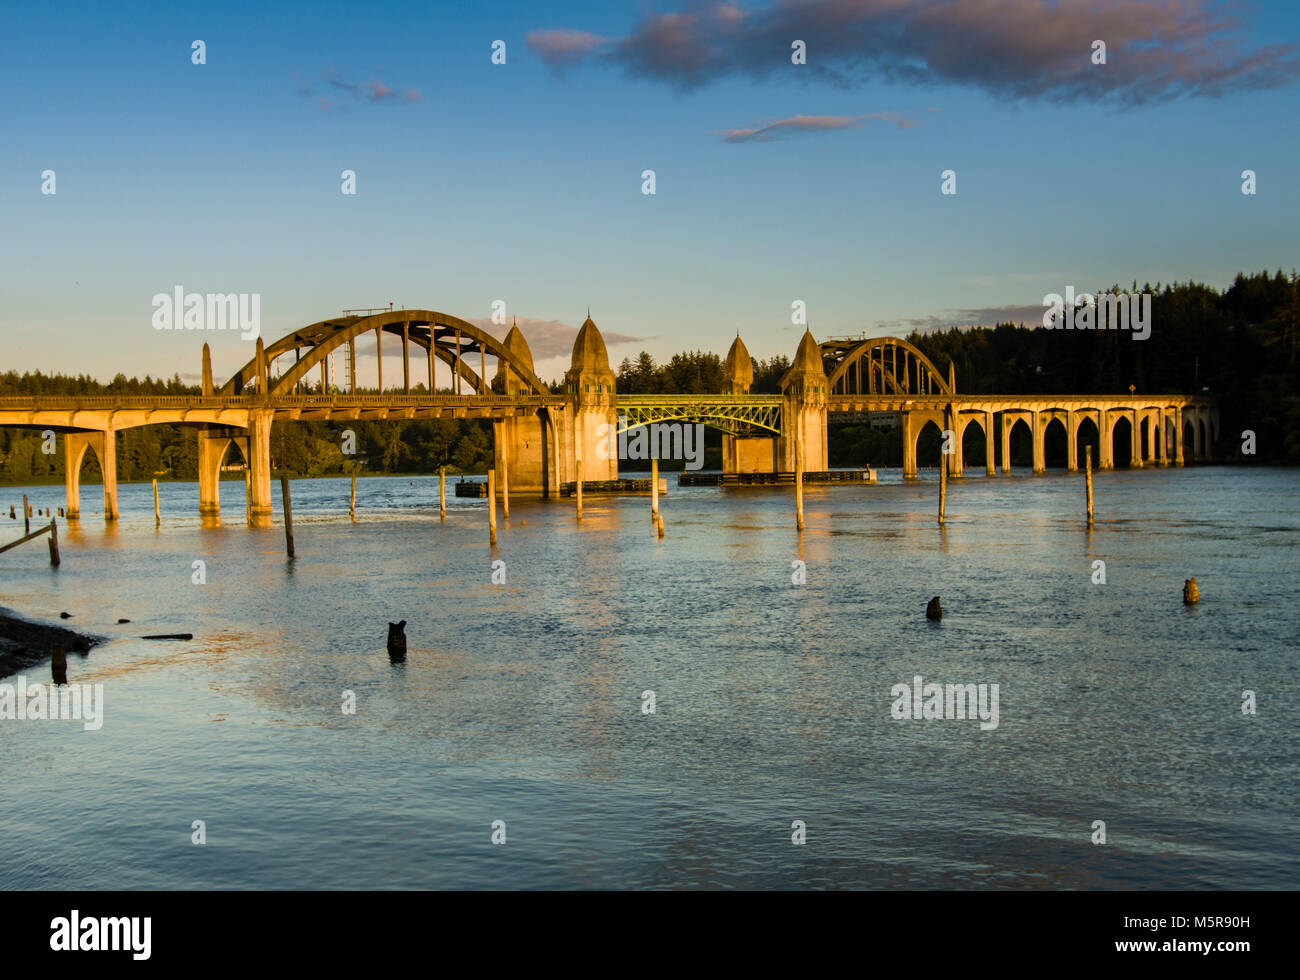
(522, 182)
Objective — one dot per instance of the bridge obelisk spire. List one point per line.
(803, 409)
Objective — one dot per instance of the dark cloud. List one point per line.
(986, 316)
(1017, 49)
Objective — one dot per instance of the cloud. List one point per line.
(1011, 49)
(559, 49)
(986, 316)
(372, 92)
(806, 124)
(548, 338)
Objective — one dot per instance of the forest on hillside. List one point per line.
(1239, 345)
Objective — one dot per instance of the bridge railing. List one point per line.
(673, 400)
(88, 402)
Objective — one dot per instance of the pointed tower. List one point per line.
(803, 408)
(738, 369)
(589, 384)
(523, 443)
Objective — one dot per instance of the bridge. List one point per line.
(543, 439)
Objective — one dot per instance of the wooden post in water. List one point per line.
(659, 523)
(248, 498)
(157, 514)
(798, 483)
(288, 515)
(654, 489)
(579, 490)
(1087, 464)
(27, 516)
(492, 506)
(943, 486)
(54, 544)
(442, 493)
(352, 500)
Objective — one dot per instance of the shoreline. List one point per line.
(25, 643)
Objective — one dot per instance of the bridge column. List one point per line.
(75, 445)
(212, 450)
(589, 383)
(1178, 437)
(259, 467)
(1040, 430)
(957, 426)
(1072, 444)
(1008, 420)
(988, 444)
(1158, 443)
(909, 447)
(1105, 441)
(105, 446)
(1135, 442)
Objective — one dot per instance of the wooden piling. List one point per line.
(659, 523)
(442, 492)
(55, 560)
(27, 516)
(943, 486)
(288, 515)
(654, 489)
(579, 490)
(157, 514)
(492, 506)
(1087, 469)
(352, 500)
(798, 483)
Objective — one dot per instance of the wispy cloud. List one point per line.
(1012, 49)
(371, 92)
(783, 128)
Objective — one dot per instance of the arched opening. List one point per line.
(929, 443)
(1056, 442)
(1189, 440)
(973, 444)
(1021, 441)
(1121, 442)
(1087, 436)
(87, 468)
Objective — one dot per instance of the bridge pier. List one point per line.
(803, 410)
(259, 467)
(586, 429)
(1040, 431)
(988, 444)
(104, 445)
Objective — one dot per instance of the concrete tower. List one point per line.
(589, 384)
(522, 443)
(803, 409)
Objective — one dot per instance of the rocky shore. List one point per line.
(24, 643)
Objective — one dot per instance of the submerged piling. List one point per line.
(352, 500)
(1087, 468)
(288, 515)
(943, 487)
(492, 506)
(55, 560)
(27, 516)
(157, 514)
(654, 489)
(442, 492)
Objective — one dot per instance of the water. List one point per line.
(522, 702)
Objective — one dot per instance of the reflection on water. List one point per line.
(522, 701)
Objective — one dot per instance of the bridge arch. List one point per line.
(881, 366)
(448, 337)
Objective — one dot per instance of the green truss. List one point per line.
(737, 415)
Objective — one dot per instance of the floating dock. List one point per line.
(863, 477)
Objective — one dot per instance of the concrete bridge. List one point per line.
(541, 439)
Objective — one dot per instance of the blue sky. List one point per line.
(522, 182)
